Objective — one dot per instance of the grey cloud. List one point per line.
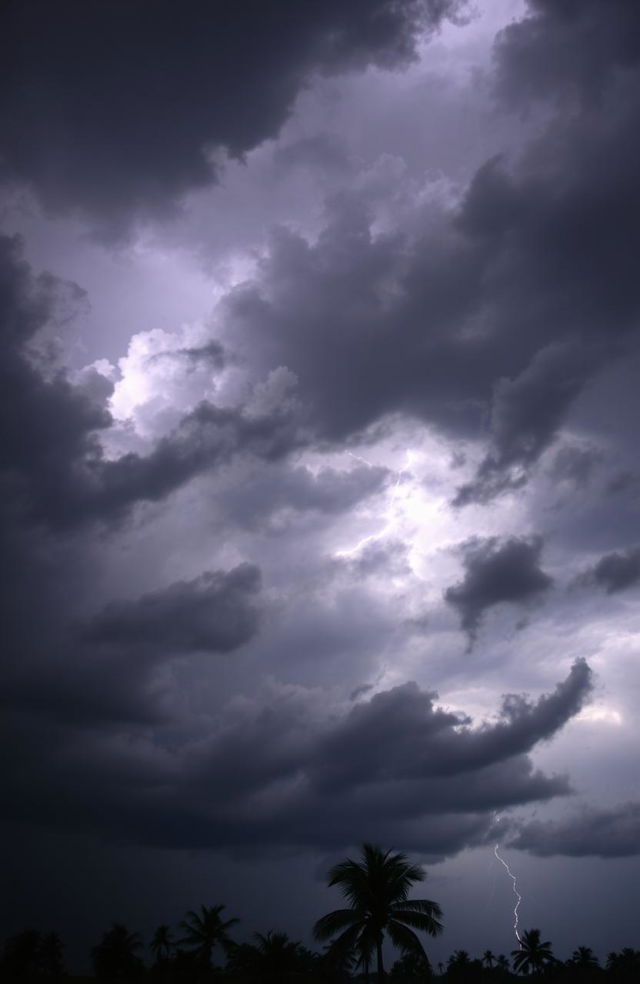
(615, 571)
(382, 556)
(497, 571)
(215, 612)
(110, 107)
(277, 773)
(608, 833)
(417, 740)
(423, 322)
(526, 414)
(575, 464)
(269, 493)
(563, 48)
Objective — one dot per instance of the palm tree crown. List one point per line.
(162, 943)
(206, 930)
(533, 955)
(376, 888)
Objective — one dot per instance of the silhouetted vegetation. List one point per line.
(376, 889)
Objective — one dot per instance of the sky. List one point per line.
(320, 492)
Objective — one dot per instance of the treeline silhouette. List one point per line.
(375, 888)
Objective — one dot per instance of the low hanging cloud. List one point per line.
(395, 767)
(496, 572)
(215, 612)
(609, 833)
(614, 572)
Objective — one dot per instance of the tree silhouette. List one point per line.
(51, 957)
(114, 958)
(205, 931)
(488, 958)
(533, 955)
(376, 888)
(271, 959)
(163, 943)
(21, 954)
(624, 966)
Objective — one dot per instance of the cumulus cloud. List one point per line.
(52, 456)
(497, 571)
(608, 833)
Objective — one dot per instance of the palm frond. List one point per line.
(424, 915)
(327, 926)
(405, 939)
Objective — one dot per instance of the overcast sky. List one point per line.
(320, 486)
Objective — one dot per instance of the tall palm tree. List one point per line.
(376, 888)
(162, 943)
(534, 954)
(206, 930)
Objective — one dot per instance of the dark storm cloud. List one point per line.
(103, 671)
(609, 833)
(564, 48)
(396, 766)
(111, 106)
(415, 739)
(489, 322)
(526, 414)
(615, 571)
(215, 612)
(497, 571)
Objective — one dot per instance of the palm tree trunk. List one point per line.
(379, 959)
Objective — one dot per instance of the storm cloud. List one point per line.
(215, 612)
(497, 572)
(608, 833)
(137, 129)
(615, 571)
(319, 360)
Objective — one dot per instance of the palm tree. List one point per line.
(376, 888)
(533, 955)
(272, 958)
(115, 956)
(584, 957)
(488, 958)
(51, 957)
(162, 943)
(205, 931)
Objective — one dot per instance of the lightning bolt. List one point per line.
(515, 892)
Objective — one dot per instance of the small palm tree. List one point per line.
(584, 957)
(376, 888)
(51, 956)
(534, 954)
(163, 943)
(115, 956)
(205, 931)
(488, 958)
(272, 959)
